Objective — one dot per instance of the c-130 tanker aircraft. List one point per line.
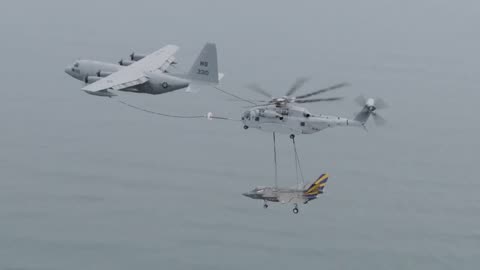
(146, 73)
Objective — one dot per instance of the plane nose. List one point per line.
(246, 194)
(68, 70)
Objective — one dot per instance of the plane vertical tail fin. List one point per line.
(205, 67)
(317, 187)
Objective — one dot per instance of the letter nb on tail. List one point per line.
(205, 67)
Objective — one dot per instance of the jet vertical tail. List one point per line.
(317, 186)
(205, 67)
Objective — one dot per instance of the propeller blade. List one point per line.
(258, 89)
(380, 104)
(379, 121)
(296, 85)
(333, 87)
(361, 100)
(317, 100)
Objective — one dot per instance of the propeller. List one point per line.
(288, 98)
(370, 107)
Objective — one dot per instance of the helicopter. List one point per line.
(280, 115)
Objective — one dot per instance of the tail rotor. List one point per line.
(370, 107)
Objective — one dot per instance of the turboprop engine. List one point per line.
(92, 79)
(125, 62)
(136, 56)
(103, 73)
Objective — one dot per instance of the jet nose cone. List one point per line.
(247, 194)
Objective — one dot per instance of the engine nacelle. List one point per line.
(103, 73)
(125, 62)
(136, 56)
(92, 79)
(271, 114)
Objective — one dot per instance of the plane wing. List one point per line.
(133, 74)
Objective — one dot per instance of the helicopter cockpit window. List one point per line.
(76, 65)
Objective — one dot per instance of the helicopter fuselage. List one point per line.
(291, 120)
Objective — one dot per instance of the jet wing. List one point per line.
(134, 74)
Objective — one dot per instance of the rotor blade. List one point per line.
(380, 104)
(233, 95)
(317, 100)
(333, 87)
(254, 100)
(296, 85)
(259, 105)
(361, 100)
(258, 89)
(379, 121)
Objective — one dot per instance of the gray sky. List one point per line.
(89, 184)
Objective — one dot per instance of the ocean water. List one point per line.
(88, 183)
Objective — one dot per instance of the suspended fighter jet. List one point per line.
(289, 195)
(145, 73)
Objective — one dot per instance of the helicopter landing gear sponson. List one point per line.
(292, 136)
(245, 127)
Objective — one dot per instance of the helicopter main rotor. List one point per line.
(289, 98)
